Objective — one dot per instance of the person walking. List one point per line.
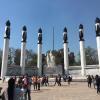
(59, 80)
(34, 80)
(11, 87)
(56, 80)
(47, 81)
(38, 82)
(94, 82)
(89, 80)
(69, 79)
(98, 83)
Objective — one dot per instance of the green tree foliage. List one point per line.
(91, 56)
(31, 58)
(11, 55)
(71, 59)
(17, 57)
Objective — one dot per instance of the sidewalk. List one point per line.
(76, 91)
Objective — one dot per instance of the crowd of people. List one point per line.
(95, 80)
(20, 88)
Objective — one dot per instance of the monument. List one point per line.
(66, 61)
(51, 67)
(23, 50)
(50, 60)
(39, 54)
(5, 49)
(82, 50)
(97, 29)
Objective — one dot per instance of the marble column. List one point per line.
(23, 50)
(39, 58)
(5, 50)
(97, 29)
(82, 50)
(66, 60)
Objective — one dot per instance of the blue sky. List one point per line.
(48, 14)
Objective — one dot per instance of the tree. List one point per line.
(91, 56)
(17, 57)
(59, 56)
(11, 55)
(31, 58)
(71, 58)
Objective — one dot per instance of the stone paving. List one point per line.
(76, 91)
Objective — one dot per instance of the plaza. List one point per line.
(76, 91)
(47, 41)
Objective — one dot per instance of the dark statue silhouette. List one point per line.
(24, 35)
(7, 31)
(97, 27)
(65, 35)
(40, 36)
(81, 32)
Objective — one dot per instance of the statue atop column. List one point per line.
(24, 34)
(7, 30)
(97, 26)
(40, 36)
(65, 35)
(81, 32)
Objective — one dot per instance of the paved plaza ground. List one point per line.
(76, 91)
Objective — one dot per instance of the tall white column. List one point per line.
(66, 60)
(98, 49)
(83, 60)
(39, 63)
(23, 50)
(97, 29)
(39, 58)
(5, 58)
(23, 55)
(82, 50)
(5, 50)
